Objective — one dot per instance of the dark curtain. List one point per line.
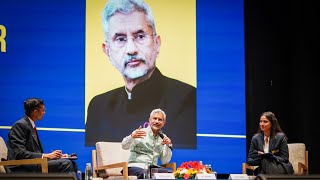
(282, 50)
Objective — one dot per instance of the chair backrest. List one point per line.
(3, 153)
(110, 153)
(297, 153)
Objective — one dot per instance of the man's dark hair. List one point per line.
(32, 104)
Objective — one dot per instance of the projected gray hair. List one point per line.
(125, 7)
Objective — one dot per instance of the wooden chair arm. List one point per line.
(302, 169)
(246, 166)
(172, 165)
(124, 166)
(41, 161)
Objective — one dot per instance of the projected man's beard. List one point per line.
(133, 67)
(135, 71)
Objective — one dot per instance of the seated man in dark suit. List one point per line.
(24, 143)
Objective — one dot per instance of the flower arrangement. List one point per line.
(188, 170)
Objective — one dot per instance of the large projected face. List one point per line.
(131, 45)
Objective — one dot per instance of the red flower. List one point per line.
(188, 170)
(186, 176)
(192, 165)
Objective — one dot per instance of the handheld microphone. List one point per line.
(162, 136)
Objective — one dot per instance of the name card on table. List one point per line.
(163, 176)
(238, 177)
(206, 176)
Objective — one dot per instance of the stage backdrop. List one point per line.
(44, 52)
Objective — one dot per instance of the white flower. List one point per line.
(183, 171)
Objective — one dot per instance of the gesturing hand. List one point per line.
(138, 133)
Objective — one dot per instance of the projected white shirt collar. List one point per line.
(129, 93)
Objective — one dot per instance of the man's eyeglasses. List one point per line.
(138, 38)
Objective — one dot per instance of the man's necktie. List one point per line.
(36, 133)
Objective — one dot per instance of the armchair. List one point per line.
(108, 159)
(298, 157)
(3, 155)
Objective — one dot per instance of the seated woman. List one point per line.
(269, 148)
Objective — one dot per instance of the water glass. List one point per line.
(153, 170)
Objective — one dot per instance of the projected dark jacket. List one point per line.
(111, 116)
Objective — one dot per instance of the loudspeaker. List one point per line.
(37, 176)
(285, 177)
